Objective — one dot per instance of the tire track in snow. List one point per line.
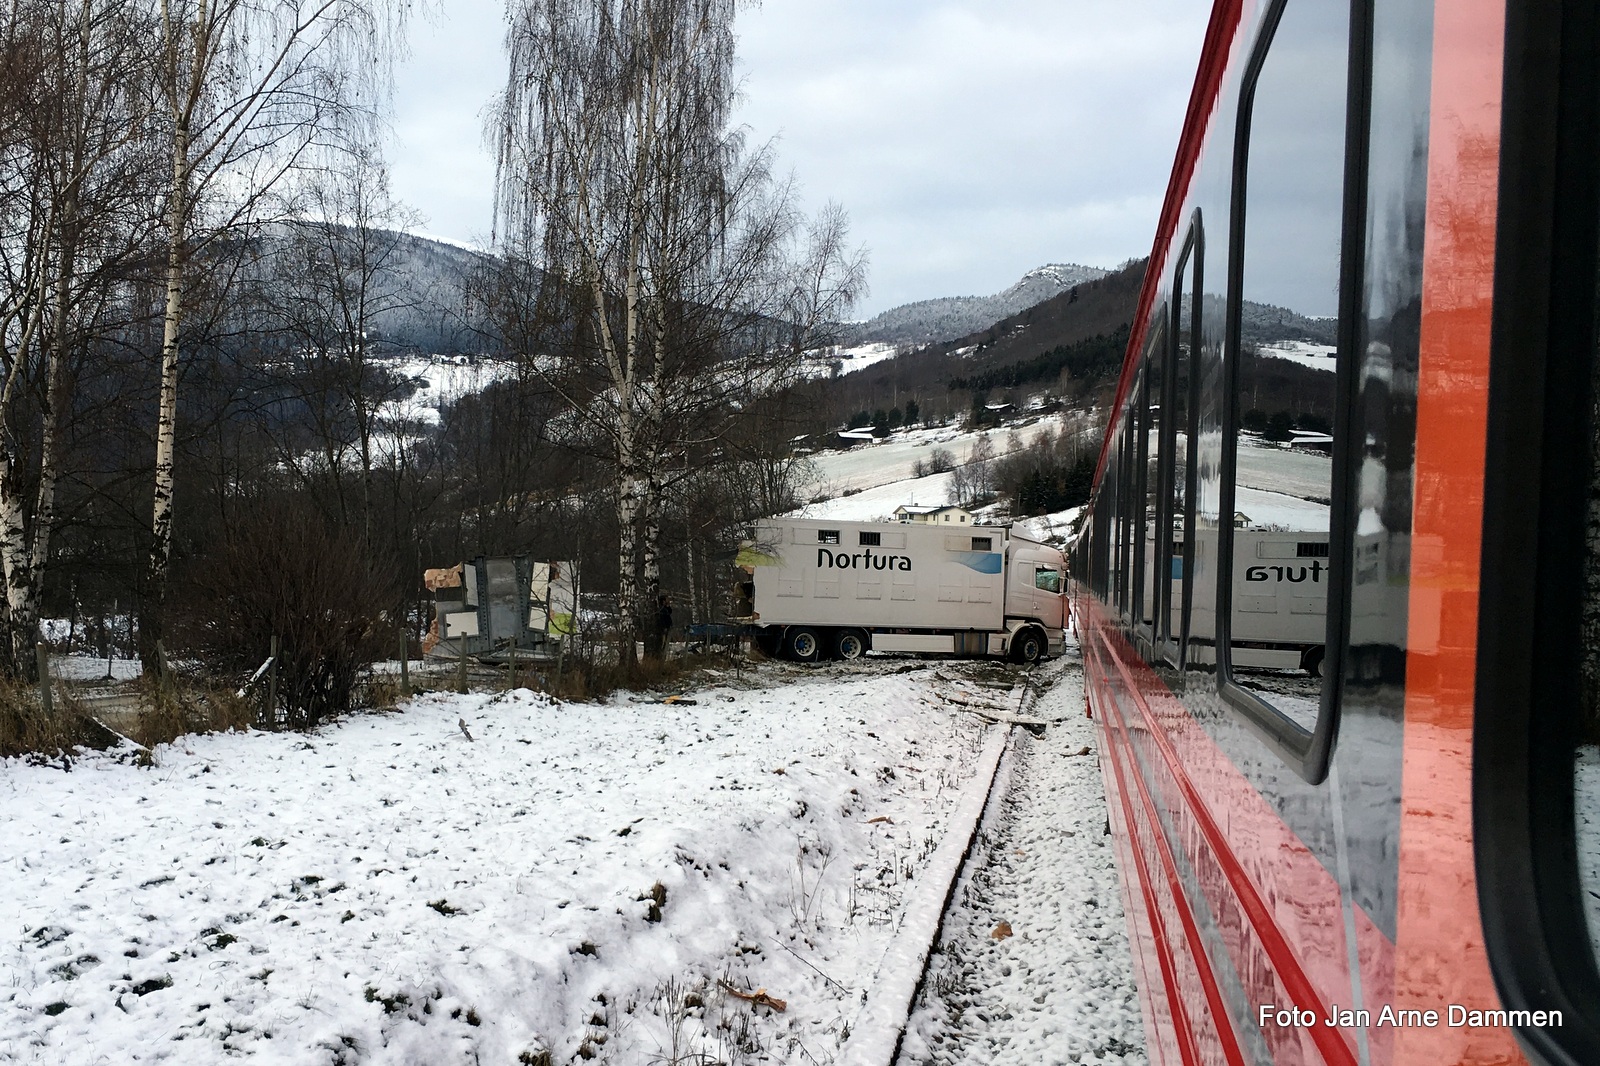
(1060, 989)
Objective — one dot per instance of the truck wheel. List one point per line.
(1312, 662)
(849, 644)
(803, 645)
(1027, 647)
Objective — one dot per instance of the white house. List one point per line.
(940, 514)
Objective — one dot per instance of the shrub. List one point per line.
(284, 572)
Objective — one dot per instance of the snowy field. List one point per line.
(1034, 965)
(587, 879)
(880, 464)
(447, 380)
(1305, 353)
(878, 504)
(850, 360)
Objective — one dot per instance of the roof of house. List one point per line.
(935, 508)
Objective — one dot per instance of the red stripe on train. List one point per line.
(1439, 952)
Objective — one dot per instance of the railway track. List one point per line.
(879, 1032)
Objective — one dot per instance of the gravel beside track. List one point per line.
(1060, 988)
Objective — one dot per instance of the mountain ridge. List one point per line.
(944, 318)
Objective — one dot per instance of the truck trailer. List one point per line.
(820, 589)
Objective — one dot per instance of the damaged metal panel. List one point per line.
(488, 607)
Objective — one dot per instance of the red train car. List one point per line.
(1336, 586)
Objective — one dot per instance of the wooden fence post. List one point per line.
(272, 685)
(405, 663)
(561, 661)
(44, 678)
(461, 664)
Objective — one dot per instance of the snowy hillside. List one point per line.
(928, 321)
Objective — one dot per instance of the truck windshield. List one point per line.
(1047, 579)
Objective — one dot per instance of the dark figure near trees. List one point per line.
(663, 626)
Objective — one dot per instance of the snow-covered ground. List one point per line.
(875, 465)
(1588, 786)
(878, 504)
(1306, 353)
(1281, 512)
(850, 360)
(1034, 964)
(1053, 528)
(447, 378)
(93, 668)
(578, 878)
(1294, 472)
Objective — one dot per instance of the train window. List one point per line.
(1125, 494)
(1176, 528)
(1148, 447)
(1152, 437)
(1283, 333)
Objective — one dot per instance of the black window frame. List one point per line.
(1308, 752)
(1175, 651)
(869, 539)
(1541, 950)
(823, 536)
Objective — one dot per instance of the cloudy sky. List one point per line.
(969, 140)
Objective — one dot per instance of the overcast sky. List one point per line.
(968, 140)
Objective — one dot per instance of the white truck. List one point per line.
(823, 589)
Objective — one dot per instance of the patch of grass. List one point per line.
(380, 692)
(154, 984)
(167, 712)
(391, 1004)
(26, 730)
(596, 675)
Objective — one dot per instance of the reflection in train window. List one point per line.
(1178, 519)
(1285, 345)
(1148, 464)
(1125, 523)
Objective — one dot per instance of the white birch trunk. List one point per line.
(151, 620)
(630, 491)
(650, 548)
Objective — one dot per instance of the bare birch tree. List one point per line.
(671, 275)
(250, 91)
(332, 276)
(74, 95)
